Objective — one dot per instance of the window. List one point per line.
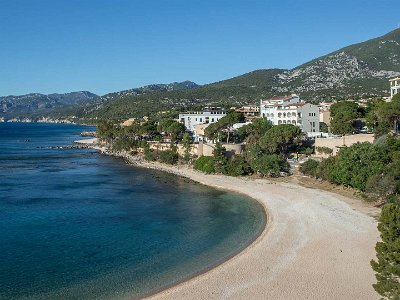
(279, 115)
(293, 122)
(284, 121)
(279, 122)
(272, 115)
(299, 114)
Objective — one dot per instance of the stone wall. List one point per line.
(336, 143)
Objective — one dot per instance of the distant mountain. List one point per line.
(357, 71)
(33, 105)
(103, 103)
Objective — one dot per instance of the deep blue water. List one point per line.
(78, 225)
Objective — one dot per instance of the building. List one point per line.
(394, 86)
(325, 117)
(249, 112)
(291, 110)
(208, 115)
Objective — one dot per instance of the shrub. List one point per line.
(309, 167)
(205, 164)
(148, 153)
(271, 164)
(237, 166)
(387, 266)
(324, 150)
(168, 157)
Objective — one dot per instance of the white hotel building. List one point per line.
(394, 86)
(291, 110)
(207, 116)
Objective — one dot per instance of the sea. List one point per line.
(75, 224)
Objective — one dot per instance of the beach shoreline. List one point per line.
(316, 244)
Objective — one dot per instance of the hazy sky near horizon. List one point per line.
(57, 46)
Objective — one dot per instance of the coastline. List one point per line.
(316, 244)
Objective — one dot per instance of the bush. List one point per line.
(237, 166)
(309, 167)
(271, 164)
(387, 265)
(148, 153)
(324, 150)
(205, 164)
(168, 157)
(325, 169)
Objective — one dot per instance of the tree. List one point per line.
(148, 153)
(323, 127)
(232, 117)
(237, 166)
(106, 130)
(220, 159)
(343, 115)
(212, 131)
(169, 157)
(187, 146)
(171, 127)
(204, 164)
(271, 165)
(385, 115)
(279, 138)
(387, 267)
(255, 130)
(355, 164)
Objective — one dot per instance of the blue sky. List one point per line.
(56, 46)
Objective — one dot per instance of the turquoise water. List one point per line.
(78, 225)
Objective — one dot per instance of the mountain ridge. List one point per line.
(356, 71)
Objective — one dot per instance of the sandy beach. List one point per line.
(316, 245)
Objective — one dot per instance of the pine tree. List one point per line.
(187, 146)
(387, 267)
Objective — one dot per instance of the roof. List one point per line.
(296, 104)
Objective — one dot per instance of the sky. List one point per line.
(59, 46)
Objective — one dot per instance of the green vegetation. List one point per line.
(169, 156)
(374, 169)
(344, 115)
(309, 167)
(382, 116)
(387, 266)
(280, 138)
(204, 164)
(187, 146)
(215, 131)
(324, 150)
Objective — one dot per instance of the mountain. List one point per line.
(357, 71)
(34, 105)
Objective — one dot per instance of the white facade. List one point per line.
(291, 110)
(394, 86)
(207, 116)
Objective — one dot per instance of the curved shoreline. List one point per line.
(297, 255)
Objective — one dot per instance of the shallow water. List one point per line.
(78, 225)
